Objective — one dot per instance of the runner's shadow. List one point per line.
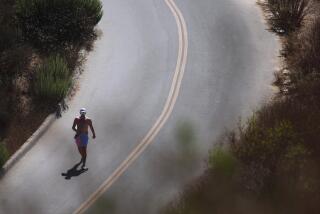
(73, 172)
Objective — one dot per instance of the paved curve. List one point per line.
(130, 73)
(231, 59)
(160, 122)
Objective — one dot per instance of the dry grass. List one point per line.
(19, 131)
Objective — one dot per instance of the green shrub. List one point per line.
(285, 16)
(52, 80)
(265, 145)
(4, 155)
(222, 161)
(52, 24)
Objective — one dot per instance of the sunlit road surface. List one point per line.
(125, 85)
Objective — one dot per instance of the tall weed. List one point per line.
(53, 79)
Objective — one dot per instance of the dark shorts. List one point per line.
(82, 140)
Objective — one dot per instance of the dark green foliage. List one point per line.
(52, 80)
(54, 24)
(265, 144)
(12, 55)
(4, 155)
(285, 16)
(222, 161)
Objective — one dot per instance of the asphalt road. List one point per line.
(125, 85)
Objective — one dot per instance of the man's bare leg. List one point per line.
(80, 151)
(84, 157)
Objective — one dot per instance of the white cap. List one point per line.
(83, 111)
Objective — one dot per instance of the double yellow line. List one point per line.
(166, 112)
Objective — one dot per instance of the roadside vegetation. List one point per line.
(284, 16)
(52, 80)
(271, 164)
(3, 154)
(52, 25)
(40, 45)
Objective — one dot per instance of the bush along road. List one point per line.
(271, 163)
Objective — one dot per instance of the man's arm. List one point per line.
(74, 125)
(92, 129)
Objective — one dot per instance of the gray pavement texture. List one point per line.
(124, 86)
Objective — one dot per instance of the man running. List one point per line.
(80, 126)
